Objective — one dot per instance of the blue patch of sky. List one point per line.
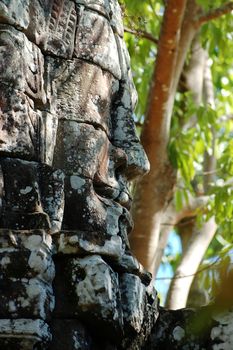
(165, 270)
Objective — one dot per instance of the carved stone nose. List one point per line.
(131, 160)
(137, 161)
(119, 157)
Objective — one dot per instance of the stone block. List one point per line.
(34, 200)
(95, 42)
(22, 92)
(19, 125)
(24, 298)
(24, 334)
(52, 26)
(15, 12)
(26, 274)
(81, 149)
(74, 336)
(109, 9)
(33, 252)
(52, 194)
(24, 62)
(129, 264)
(61, 26)
(85, 210)
(133, 298)
(88, 288)
(82, 92)
(134, 319)
(30, 264)
(86, 243)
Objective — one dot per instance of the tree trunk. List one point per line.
(154, 191)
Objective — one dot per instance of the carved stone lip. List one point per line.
(124, 199)
(118, 194)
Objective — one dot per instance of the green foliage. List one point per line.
(142, 16)
(195, 130)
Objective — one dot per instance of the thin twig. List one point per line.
(213, 14)
(191, 275)
(205, 173)
(142, 34)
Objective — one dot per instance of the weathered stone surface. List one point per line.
(124, 131)
(221, 334)
(87, 211)
(149, 321)
(73, 136)
(25, 298)
(116, 17)
(29, 240)
(34, 200)
(74, 336)
(128, 263)
(101, 6)
(24, 62)
(21, 89)
(33, 252)
(90, 292)
(209, 327)
(61, 28)
(19, 125)
(25, 286)
(47, 137)
(82, 92)
(109, 9)
(83, 243)
(95, 192)
(30, 264)
(24, 334)
(68, 147)
(95, 42)
(52, 26)
(15, 12)
(22, 196)
(133, 297)
(52, 194)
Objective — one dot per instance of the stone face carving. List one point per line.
(68, 148)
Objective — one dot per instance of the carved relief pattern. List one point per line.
(61, 28)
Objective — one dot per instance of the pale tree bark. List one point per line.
(171, 218)
(180, 285)
(197, 240)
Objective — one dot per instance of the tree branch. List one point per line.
(142, 34)
(188, 266)
(191, 209)
(208, 267)
(216, 13)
